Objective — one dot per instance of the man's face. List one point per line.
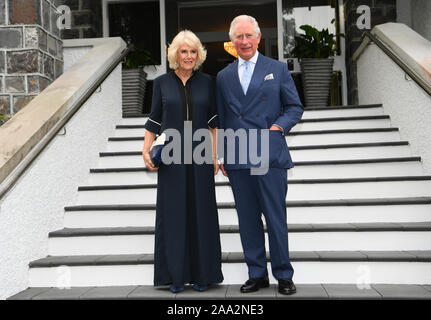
(245, 40)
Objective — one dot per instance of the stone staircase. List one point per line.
(359, 218)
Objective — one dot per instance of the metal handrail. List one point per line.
(406, 68)
(10, 180)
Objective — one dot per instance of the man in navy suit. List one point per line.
(255, 93)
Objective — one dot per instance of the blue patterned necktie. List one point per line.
(246, 76)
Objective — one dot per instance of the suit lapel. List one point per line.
(234, 86)
(256, 79)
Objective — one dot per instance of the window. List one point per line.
(317, 13)
(137, 23)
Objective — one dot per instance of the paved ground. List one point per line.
(221, 292)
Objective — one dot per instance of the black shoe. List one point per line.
(286, 286)
(254, 284)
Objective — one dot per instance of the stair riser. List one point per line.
(297, 140)
(384, 169)
(324, 125)
(318, 191)
(339, 138)
(230, 242)
(237, 273)
(133, 121)
(358, 112)
(354, 112)
(351, 153)
(351, 214)
(297, 155)
(373, 170)
(347, 124)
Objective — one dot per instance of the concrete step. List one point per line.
(378, 121)
(133, 121)
(310, 237)
(350, 151)
(228, 292)
(405, 166)
(308, 189)
(343, 111)
(334, 123)
(402, 267)
(303, 138)
(399, 149)
(113, 176)
(309, 113)
(301, 212)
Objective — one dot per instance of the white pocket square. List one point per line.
(269, 77)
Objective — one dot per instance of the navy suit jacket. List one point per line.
(271, 99)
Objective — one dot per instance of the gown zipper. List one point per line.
(187, 102)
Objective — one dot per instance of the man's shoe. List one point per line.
(254, 284)
(286, 286)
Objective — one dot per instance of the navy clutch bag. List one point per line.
(156, 150)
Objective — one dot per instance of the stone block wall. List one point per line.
(382, 11)
(31, 51)
(86, 19)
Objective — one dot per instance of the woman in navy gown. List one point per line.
(187, 239)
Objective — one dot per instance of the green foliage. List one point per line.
(314, 43)
(138, 57)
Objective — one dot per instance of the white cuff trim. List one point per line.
(212, 118)
(155, 122)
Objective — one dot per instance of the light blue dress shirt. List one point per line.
(241, 64)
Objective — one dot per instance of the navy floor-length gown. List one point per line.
(187, 239)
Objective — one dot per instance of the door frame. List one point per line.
(339, 60)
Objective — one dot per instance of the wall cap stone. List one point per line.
(407, 44)
(27, 127)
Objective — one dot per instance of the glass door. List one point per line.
(210, 21)
(141, 23)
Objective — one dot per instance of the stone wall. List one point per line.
(382, 11)
(31, 51)
(86, 19)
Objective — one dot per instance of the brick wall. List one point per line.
(31, 51)
(382, 11)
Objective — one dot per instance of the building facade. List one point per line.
(31, 46)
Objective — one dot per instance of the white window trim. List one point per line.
(150, 70)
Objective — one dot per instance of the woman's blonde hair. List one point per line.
(189, 38)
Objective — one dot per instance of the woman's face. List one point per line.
(186, 57)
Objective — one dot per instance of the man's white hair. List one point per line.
(243, 18)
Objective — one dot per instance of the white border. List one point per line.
(150, 70)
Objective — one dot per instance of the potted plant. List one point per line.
(315, 51)
(134, 80)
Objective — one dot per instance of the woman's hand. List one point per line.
(223, 170)
(148, 163)
(216, 165)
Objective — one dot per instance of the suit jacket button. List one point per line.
(240, 116)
